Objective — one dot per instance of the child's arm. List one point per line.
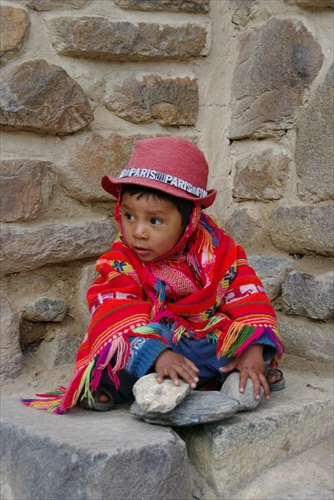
(173, 365)
(250, 365)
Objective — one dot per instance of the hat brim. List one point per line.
(113, 184)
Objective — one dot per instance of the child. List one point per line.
(175, 294)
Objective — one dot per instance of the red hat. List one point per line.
(169, 164)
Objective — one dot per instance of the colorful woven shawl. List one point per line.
(202, 288)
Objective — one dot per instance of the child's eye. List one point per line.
(155, 221)
(128, 216)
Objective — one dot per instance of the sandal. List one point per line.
(98, 405)
(279, 384)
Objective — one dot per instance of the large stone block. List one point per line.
(25, 248)
(307, 338)
(272, 272)
(33, 178)
(311, 4)
(90, 455)
(42, 97)
(91, 160)
(229, 454)
(315, 145)
(303, 229)
(97, 37)
(169, 101)
(261, 177)
(45, 310)
(245, 228)
(308, 295)
(193, 6)
(10, 351)
(43, 5)
(15, 24)
(276, 63)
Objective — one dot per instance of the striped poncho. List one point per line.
(204, 287)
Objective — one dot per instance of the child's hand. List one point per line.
(250, 365)
(170, 364)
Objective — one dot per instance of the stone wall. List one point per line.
(250, 81)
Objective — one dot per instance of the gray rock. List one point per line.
(10, 352)
(314, 145)
(194, 6)
(152, 397)
(42, 97)
(198, 408)
(246, 400)
(169, 101)
(269, 82)
(34, 178)
(303, 229)
(307, 338)
(45, 310)
(261, 177)
(311, 4)
(244, 228)
(26, 249)
(98, 38)
(308, 295)
(89, 455)
(271, 271)
(44, 5)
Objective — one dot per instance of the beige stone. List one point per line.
(303, 229)
(25, 189)
(42, 97)
(194, 6)
(169, 101)
(15, 24)
(269, 82)
(61, 350)
(98, 38)
(159, 398)
(315, 145)
(25, 248)
(261, 177)
(243, 11)
(10, 352)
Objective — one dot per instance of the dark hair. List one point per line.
(183, 206)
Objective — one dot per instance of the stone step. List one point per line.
(228, 456)
(90, 455)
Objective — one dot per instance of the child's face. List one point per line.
(151, 227)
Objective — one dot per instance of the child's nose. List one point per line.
(139, 231)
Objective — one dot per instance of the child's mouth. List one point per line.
(141, 251)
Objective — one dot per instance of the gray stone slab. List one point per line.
(228, 455)
(198, 408)
(89, 455)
